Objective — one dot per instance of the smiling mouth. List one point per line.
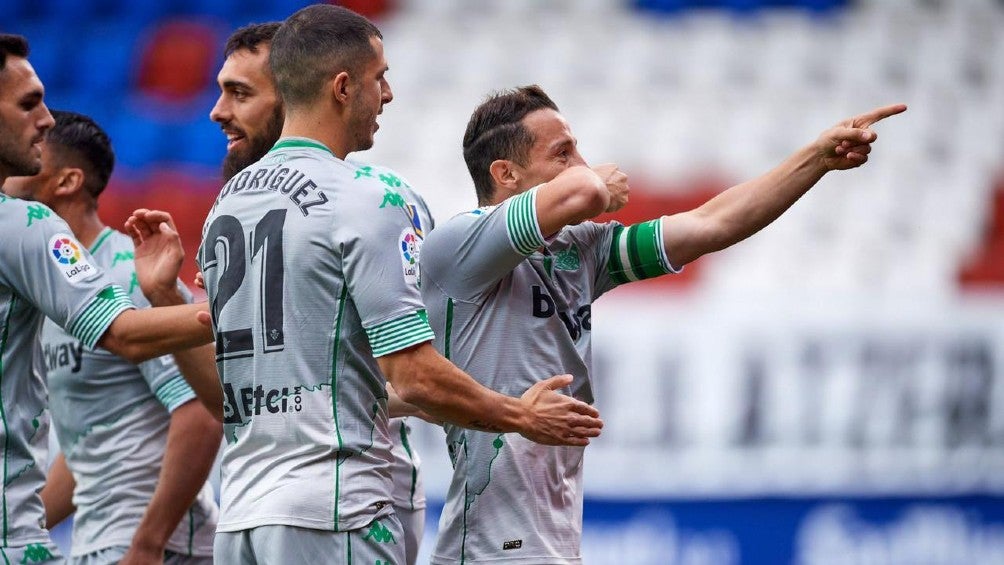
(233, 139)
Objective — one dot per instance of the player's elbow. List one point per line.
(198, 422)
(586, 195)
(119, 343)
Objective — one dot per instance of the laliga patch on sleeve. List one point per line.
(410, 246)
(65, 251)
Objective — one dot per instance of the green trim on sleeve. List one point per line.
(93, 320)
(399, 333)
(521, 223)
(174, 393)
(637, 252)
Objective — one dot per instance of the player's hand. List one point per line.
(557, 419)
(200, 281)
(847, 144)
(158, 253)
(617, 185)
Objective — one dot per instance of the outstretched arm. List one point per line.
(192, 442)
(426, 379)
(138, 335)
(745, 209)
(159, 256)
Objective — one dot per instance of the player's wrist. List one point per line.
(164, 296)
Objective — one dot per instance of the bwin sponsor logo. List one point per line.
(576, 320)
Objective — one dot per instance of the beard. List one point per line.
(15, 162)
(255, 148)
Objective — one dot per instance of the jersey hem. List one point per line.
(538, 560)
(93, 321)
(203, 551)
(301, 522)
(522, 224)
(400, 333)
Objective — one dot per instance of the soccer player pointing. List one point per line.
(520, 274)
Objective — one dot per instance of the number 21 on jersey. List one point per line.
(225, 241)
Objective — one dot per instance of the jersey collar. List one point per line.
(299, 143)
(101, 239)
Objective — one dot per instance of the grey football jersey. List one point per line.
(44, 271)
(512, 309)
(310, 264)
(405, 472)
(112, 418)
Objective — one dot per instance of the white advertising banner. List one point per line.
(787, 395)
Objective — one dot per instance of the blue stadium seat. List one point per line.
(199, 142)
(138, 141)
(106, 61)
(49, 50)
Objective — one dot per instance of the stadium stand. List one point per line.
(676, 91)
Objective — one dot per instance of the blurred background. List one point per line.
(830, 391)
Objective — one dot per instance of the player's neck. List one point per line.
(320, 128)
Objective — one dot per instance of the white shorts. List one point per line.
(112, 555)
(381, 542)
(413, 524)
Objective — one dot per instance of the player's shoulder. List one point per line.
(17, 214)
(459, 226)
(588, 230)
(26, 225)
(114, 251)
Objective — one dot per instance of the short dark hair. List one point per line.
(79, 140)
(249, 37)
(496, 131)
(16, 45)
(316, 43)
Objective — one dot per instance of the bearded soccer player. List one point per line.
(136, 445)
(46, 272)
(310, 263)
(250, 112)
(521, 272)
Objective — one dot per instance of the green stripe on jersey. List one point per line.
(399, 333)
(3, 416)
(521, 222)
(637, 252)
(101, 239)
(299, 143)
(92, 322)
(174, 393)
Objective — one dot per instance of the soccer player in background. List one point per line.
(520, 274)
(311, 265)
(136, 445)
(250, 112)
(46, 272)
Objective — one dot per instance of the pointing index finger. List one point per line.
(869, 118)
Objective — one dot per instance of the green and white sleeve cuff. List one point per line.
(638, 252)
(521, 223)
(174, 393)
(94, 320)
(400, 333)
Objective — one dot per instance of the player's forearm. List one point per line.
(192, 442)
(198, 367)
(138, 335)
(575, 195)
(57, 494)
(742, 210)
(429, 381)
